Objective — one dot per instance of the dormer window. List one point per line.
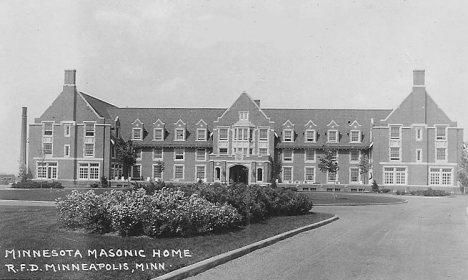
(158, 134)
(355, 136)
(244, 116)
(310, 135)
(333, 136)
(137, 134)
(201, 134)
(179, 134)
(288, 135)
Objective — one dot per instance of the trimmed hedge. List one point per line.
(37, 185)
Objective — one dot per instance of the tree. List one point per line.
(23, 172)
(276, 168)
(364, 165)
(159, 167)
(328, 164)
(463, 170)
(126, 154)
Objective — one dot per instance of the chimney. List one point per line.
(418, 78)
(257, 101)
(24, 124)
(70, 78)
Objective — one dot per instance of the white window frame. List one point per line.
(138, 153)
(154, 134)
(437, 155)
(440, 176)
(305, 174)
(44, 129)
(85, 149)
(196, 154)
(138, 166)
(175, 154)
(227, 133)
(201, 132)
(284, 135)
(183, 171)
(337, 135)
(394, 175)
(67, 130)
(154, 168)
(306, 138)
(196, 172)
(284, 172)
(88, 166)
(256, 174)
(263, 154)
(292, 156)
(358, 136)
(178, 136)
(444, 137)
(351, 156)
(133, 133)
(419, 133)
(351, 175)
(44, 150)
(328, 178)
(243, 115)
(305, 155)
(223, 154)
(66, 148)
(92, 133)
(399, 132)
(390, 154)
(47, 167)
(335, 151)
(419, 155)
(260, 139)
(162, 154)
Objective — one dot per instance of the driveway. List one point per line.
(426, 238)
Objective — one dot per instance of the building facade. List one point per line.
(414, 145)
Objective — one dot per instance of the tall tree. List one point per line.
(364, 165)
(463, 170)
(328, 163)
(126, 154)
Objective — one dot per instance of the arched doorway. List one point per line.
(239, 174)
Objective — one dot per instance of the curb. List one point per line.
(5, 202)
(362, 204)
(204, 265)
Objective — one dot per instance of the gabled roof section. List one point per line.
(99, 106)
(137, 122)
(158, 123)
(245, 103)
(310, 124)
(355, 124)
(332, 124)
(180, 123)
(201, 123)
(288, 124)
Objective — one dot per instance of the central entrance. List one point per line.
(239, 174)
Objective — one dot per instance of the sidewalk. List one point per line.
(26, 203)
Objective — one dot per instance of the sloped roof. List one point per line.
(98, 105)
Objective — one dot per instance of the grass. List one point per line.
(41, 194)
(36, 228)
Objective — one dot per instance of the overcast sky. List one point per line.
(289, 54)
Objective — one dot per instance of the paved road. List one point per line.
(426, 238)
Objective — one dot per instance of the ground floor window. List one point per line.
(88, 170)
(178, 172)
(116, 170)
(332, 177)
(136, 172)
(217, 173)
(354, 175)
(47, 170)
(259, 175)
(440, 176)
(287, 173)
(200, 172)
(395, 175)
(157, 171)
(309, 174)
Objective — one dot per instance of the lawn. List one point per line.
(36, 228)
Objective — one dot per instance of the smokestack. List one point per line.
(257, 101)
(24, 123)
(418, 78)
(70, 78)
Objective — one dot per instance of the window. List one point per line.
(178, 172)
(354, 175)
(158, 134)
(201, 155)
(287, 173)
(334, 155)
(355, 155)
(394, 153)
(136, 172)
(137, 134)
(331, 177)
(259, 175)
(138, 154)
(441, 154)
(310, 174)
(263, 134)
(418, 155)
(242, 134)
(47, 148)
(419, 133)
(179, 154)
(288, 155)
(88, 171)
(66, 150)
(223, 134)
(333, 136)
(89, 129)
(157, 171)
(47, 129)
(244, 116)
(200, 172)
(201, 134)
(89, 150)
(223, 151)
(288, 135)
(179, 134)
(47, 170)
(158, 153)
(113, 151)
(116, 170)
(355, 136)
(217, 173)
(441, 132)
(309, 155)
(310, 135)
(66, 130)
(441, 176)
(262, 151)
(395, 175)
(395, 132)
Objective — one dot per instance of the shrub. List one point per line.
(375, 186)
(385, 190)
(429, 192)
(104, 182)
(94, 185)
(37, 185)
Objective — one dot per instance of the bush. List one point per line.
(385, 190)
(375, 187)
(429, 192)
(37, 185)
(94, 185)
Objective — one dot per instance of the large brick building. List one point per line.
(415, 145)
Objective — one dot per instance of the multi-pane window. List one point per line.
(200, 172)
(116, 170)
(223, 151)
(441, 176)
(179, 134)
(47, 170)
(263, 134)
(158, 134)
(354, 175)
(309, 174)
(418, 155)
(179, 154)
(178, 172)
(263, 151)
(309, 155)
(201, 134)
(136, 172)
(47, 148)
(89, 150)
(394, 153)
(288, 135)
(89, 129)
(355, 135)
(419, 133)
(88, 171)
(310, 135)
(441, 153)
(334, 155)
(395, 132)
(47, 129)
(395, 175)
(287, 173)
(333, 136)
(355, 154)
(288, 155)
(441, 132)
(66, 130)
(137, 134)
(201, 154)
(158, 153)
(244, 115)
(331, 177)
(223, 134)
(157, 171)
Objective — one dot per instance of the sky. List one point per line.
(199, 53)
